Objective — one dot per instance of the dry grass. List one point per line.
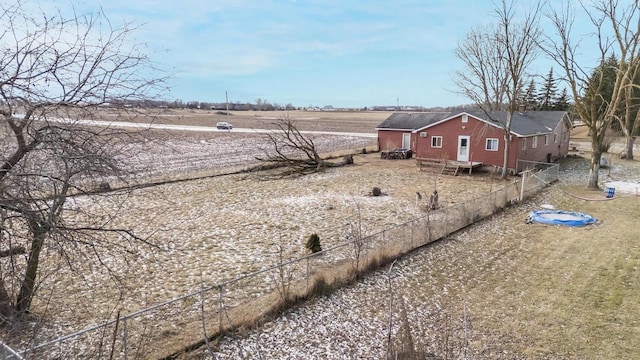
(563, 292)
(215, 229)
(531, 290)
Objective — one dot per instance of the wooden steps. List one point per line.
(450, 169)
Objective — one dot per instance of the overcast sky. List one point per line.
(318, 52)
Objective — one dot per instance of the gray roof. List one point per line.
(411, 121)
(528, 122)
(523, 124)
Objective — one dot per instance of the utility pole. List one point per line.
(226, 97)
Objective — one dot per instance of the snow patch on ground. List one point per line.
(624, 187)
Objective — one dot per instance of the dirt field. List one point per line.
(501, 289)
(211, 230)
(214, 229)
(529, 290)
(305, 120)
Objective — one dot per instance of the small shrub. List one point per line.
(376, 191)
(321, 287)
(313, 243)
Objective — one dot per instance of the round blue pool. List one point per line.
(560, 217)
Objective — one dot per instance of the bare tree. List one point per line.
(357, 235)
(596, 110)
(625, 23)
(283, 275)
(630, 120)
(495, 61)
(54, 70)
(294, 151)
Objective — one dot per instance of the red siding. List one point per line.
(555, 150)
(478, 131)
(392, 139)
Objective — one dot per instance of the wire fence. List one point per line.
(165, 328)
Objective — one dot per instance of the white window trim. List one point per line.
(434, 138)
(465, 118)
(524, 144)
(555, 138)
(546, 139)
(534, 142)
(486, 145)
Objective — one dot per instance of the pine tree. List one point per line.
(548, 92)
(562, 103)
(601, 84)
(313, 243)
(529, 96)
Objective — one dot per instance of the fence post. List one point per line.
(524, 175)
(412, 226)
(220, 305)
(125, 336)
(446, 221)
(307, 275)
(428, 226)
(473, 210)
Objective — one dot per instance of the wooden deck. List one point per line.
(449, 167)
(461, 166)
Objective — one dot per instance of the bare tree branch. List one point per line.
(596, 107)
(293, 151)
(495, 61)
(53, 68)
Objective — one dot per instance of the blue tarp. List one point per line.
(560, 217)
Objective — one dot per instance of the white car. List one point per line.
(224, 126)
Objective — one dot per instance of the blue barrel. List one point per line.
(609, 192)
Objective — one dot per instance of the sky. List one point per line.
(343, 53)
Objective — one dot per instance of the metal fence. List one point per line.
(163, 329)
(7, 353)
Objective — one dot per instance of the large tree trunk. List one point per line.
(5, 301)
(594, 166)
(505, 162)
(629, 149)
(23, 302)
(594, 170)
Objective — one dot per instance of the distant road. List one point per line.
(144, 126)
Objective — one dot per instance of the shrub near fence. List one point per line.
(166, 328)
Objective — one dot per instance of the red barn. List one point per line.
(541, 136)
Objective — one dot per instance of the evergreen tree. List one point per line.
(548, 93)
(529, 96)
(562, 103)
(601, 84)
